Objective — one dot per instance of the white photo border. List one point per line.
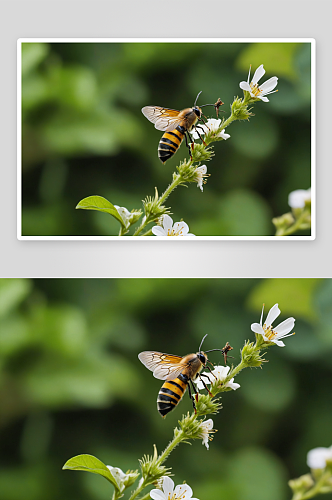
(312, 41)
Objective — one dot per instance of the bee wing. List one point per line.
(164, 366)
(163, 118)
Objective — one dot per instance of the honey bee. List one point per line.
(179, 372)
(176, 125)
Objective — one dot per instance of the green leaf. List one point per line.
(89, 463)
(100, 204)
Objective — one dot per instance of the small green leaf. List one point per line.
(101, 204)
(89, 463)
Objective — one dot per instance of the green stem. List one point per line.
(292, 229)
(146, 497)
(236, 370)
(176, 182)
(315, 490)
(137, 491)
(176, 440)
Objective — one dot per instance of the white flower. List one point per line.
(212, 125)
(218, 375)
(206, 430)
(181, 492)
(179, 228)
(316, 458)
(124, 213)
(279, 332)
(259, 91)
(298, 198)
(122, 480)
(126, 216)
(118, 475)
(200, 175)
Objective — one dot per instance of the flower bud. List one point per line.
(301, 484)
(251, 356)
(240, 110)
(151, 470)
(152, 208)
(205, 405)
(201, 153)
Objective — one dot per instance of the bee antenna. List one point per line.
(215, 350)
(199, 350)
(194, 106)
(202, 106)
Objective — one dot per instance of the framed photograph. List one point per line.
(202, 138)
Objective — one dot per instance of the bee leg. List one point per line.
(200, 136)
(204, 121)
(210, 371)
(185, 136)
(191, 396)
(206, 387)
(195, 390)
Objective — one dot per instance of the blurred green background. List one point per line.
(71, 383)
(84, 133)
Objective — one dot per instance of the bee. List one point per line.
(176, 125)
(179, 372)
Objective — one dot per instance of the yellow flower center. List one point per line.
(172, 232)
(269, 332)
(173, 497)
(255, 89)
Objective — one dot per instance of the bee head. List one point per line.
(202, 357)
(200, 354)
(197, 111)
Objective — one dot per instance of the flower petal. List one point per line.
(220, 372)
(168, 486)
(261, 320)
(180, 228)
(269, 85)
(260, 71)
(278, 342)
(200, 385)
(158, 231)
(157, 495)
(285, 327)
(232, 385)
(257, 328)
(167, 223)
(245, 86)
(272, 315)
(262, 98)
(183, 491)
(208, 424)
(316, 458)
(223, 135)
(297, 198)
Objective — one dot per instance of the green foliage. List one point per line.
(100, 204)
(71, 383)
(83, 132)
(88, 463)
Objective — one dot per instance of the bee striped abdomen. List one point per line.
(170, 143)
(171, 394)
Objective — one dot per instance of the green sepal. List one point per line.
(101, 205)
(89, 463)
